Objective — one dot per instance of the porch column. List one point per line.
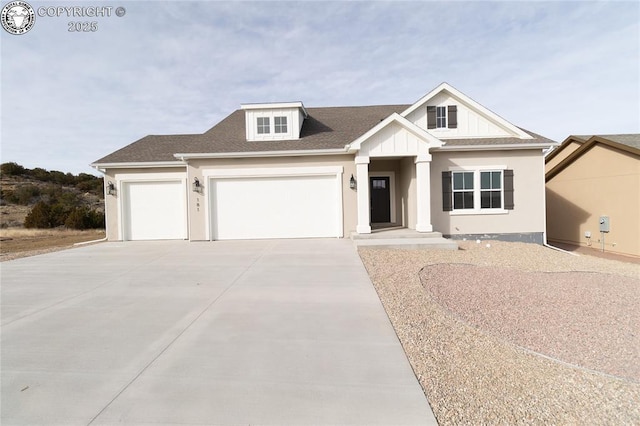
(423, 193)
(362, 174)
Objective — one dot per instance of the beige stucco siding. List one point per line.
(113, 206)
(561, 155)
(528, 213)
(602, 182)
(199, 168)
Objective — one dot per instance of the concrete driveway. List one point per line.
(238, 332)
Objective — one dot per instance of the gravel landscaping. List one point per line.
(516, 333)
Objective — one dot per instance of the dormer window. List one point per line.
(280, 124)
(264, 127)
(274, 121)
(442, 117)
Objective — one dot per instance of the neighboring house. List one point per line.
(588, 177)
(281, 170)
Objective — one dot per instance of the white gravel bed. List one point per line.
(586, 318)
(473, 374)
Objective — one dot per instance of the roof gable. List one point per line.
(629, 147)
(395, 135)
(495, 125)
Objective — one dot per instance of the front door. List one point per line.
(380, 199)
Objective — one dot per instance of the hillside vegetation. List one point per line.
(38, 198)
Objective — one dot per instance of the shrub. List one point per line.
(39, 216)
(83, 218)
(25, 194)
(11, 169)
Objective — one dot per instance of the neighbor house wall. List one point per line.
(603, 181)
(563, 153)
(113, 204)
(527, 217)
(197, 168)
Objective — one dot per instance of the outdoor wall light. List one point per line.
(111, 188)
(352, 182)
(197, 187)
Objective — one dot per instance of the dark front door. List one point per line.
(380, 200)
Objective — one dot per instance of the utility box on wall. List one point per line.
(604, 223)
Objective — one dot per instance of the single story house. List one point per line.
(590, 179)
(282, 170)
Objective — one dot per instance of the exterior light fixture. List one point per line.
(111, 188)
(197, 187)
(352, 182)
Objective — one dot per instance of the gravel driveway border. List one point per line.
(472, 377)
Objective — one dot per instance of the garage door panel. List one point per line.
(275, 207)
(154, 211)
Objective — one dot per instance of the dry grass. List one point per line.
(21, 242)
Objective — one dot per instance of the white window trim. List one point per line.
(476, 191)
(268, 125)
(446, 117)
(286, 124)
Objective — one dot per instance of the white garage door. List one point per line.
(154, 211)
(275, 207)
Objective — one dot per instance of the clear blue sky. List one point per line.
(555, 68)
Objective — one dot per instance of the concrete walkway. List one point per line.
(238, 332)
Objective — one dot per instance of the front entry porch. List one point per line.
(393, 175)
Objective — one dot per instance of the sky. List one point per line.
(70, 98)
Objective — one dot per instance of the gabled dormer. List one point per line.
(274, 121)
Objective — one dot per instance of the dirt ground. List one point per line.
(19, 242)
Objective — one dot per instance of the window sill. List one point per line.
(477, 212)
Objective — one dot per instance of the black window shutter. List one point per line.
(452, 116)
(446, 192)
(508, 189)
(431, 117)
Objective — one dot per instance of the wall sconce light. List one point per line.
(352, 182)
(196, 186)
(111, 188)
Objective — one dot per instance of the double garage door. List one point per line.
(238, 208)
(275, 207)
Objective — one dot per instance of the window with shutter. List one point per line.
(452, 116)
(508, 190)
(477, 191)
(446, 192)
(431, 117)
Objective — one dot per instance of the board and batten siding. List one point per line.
(469, 122)
(294, 123)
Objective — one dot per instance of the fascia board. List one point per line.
(561, 147)
(493, 147)
(470, 102)
(276, 105)
(253, 154)
(136, 165)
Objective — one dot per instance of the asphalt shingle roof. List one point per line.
(629, 139)
(324, 128)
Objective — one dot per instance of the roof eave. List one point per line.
(136, 165)
(252, 154)
(495, 147)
